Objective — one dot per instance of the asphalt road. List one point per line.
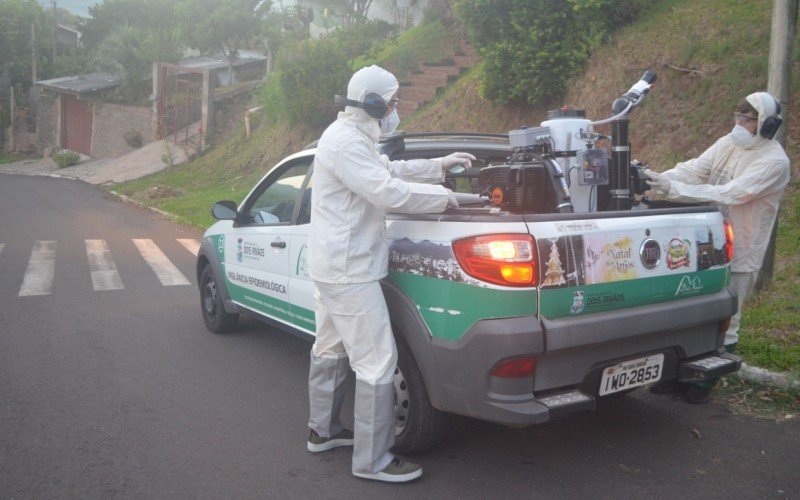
(121, 391)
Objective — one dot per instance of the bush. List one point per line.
(302, 89)
(309, 73)
(532, 47)
(65, 158)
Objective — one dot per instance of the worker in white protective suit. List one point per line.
(353, 187)
(744, 173)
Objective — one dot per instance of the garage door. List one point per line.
(77, 124)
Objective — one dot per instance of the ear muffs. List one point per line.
(373, 104)
(772, 123)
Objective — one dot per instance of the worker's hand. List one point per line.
(452, 201)
(658, 181)
(463, 159)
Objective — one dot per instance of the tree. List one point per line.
(224, 25)
(125, 38)
(129, 52)
(285, 27)
(355, 11)
(145, 15)
(17, 21)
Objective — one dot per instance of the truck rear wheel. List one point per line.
(419, 424)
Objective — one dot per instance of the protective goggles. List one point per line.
(742, 118)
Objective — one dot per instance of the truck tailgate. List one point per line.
(599, 265)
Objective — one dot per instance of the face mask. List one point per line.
(390, 123)
(742, 137)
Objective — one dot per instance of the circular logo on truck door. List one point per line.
(650, 253)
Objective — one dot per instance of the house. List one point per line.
(71, 115)
(248, 66)
(73, 97)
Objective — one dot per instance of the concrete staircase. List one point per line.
(422, 85)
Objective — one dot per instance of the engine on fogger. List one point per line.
(558, 167)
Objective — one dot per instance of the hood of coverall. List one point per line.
(765, 105)
(371, 79)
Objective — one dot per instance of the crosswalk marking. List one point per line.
(104, 271)
(165, 270)
(190, 244)
(40, 273)
(38, 278)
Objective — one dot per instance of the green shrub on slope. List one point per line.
(311, 72)
(532, 47)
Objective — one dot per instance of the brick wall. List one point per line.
(46, 122)
(112, 122)
(24, 138)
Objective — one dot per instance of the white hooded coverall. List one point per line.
(352, 189)
(746, 184)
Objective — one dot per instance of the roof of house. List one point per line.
(219, 61)
(82, 85)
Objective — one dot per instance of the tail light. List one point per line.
(515, 367)
(728, 241)
(502, 259)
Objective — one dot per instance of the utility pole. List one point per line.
(55, 31)
(784, 27)
(33, 53)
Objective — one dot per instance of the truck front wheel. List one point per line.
(419, 424)
(216, 318)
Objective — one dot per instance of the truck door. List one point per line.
(257, 253)
(301, 287)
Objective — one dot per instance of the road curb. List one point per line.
(128, 199)
(767, 378)
(58, 176)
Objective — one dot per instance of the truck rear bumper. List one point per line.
(570, 358)
(562, 404)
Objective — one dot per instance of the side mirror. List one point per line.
(224, 210)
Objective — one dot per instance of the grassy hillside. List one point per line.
(707, 55)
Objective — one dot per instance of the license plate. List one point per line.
(630, 374)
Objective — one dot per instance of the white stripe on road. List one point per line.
(2, 246)
(191, 245)
(38, 278)
(104, 272)
(165, 270)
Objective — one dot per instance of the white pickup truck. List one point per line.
(502, 311)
